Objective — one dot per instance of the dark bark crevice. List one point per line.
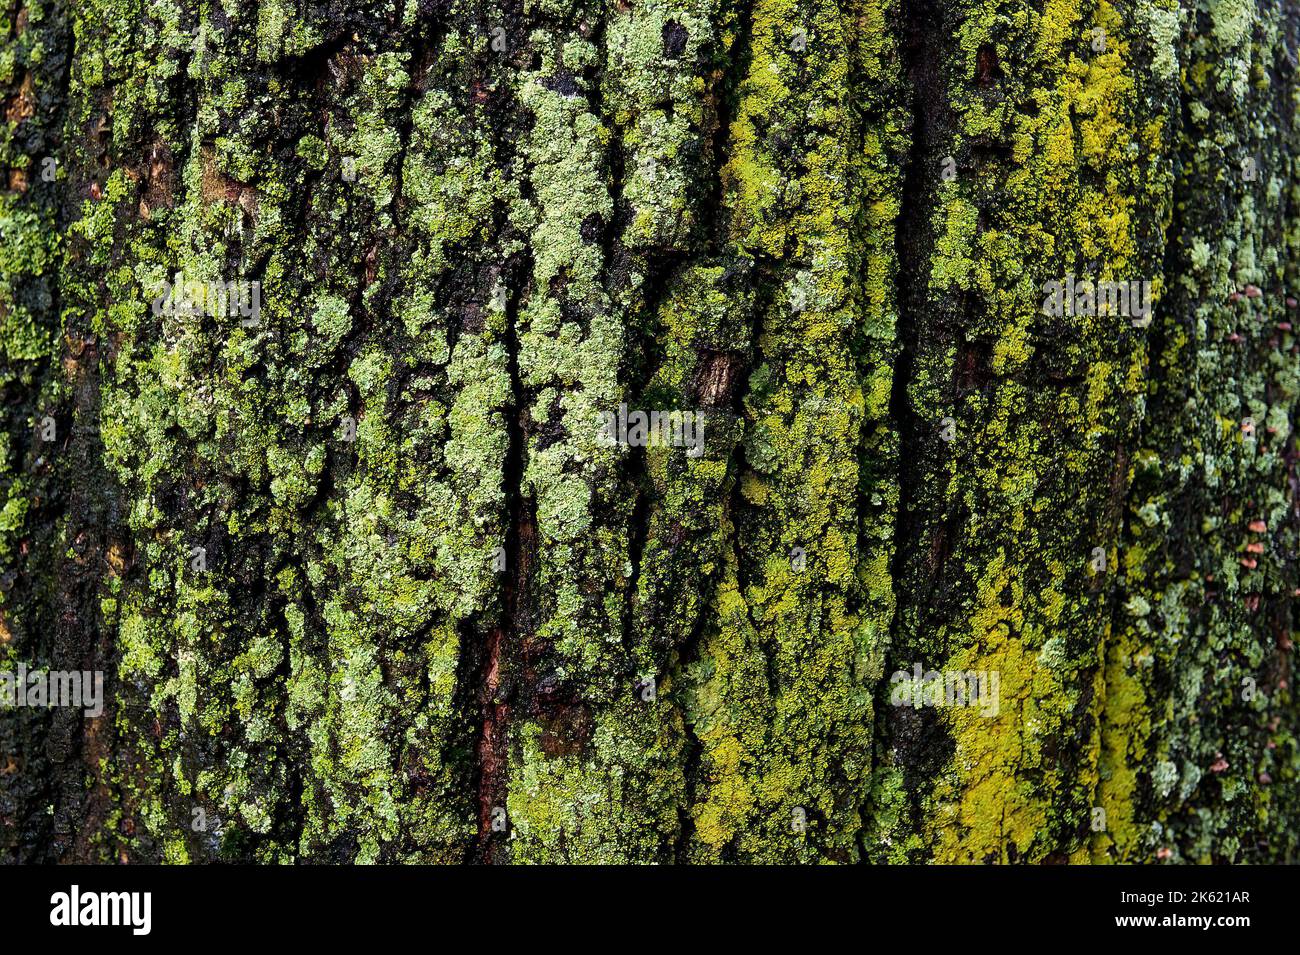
(918, 734)
(497, 677)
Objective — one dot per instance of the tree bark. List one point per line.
(364, 582)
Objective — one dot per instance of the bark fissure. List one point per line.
(507, 637)
(922, 54)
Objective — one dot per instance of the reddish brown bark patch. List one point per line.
(22, 105)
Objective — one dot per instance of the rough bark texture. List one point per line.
(471, 631)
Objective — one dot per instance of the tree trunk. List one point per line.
(366, 577)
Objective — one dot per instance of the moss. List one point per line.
(283, 538)
(775, 753)
(1059, 174)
